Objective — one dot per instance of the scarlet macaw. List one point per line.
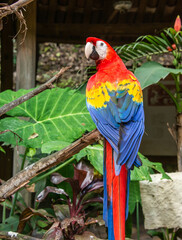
(115, 101)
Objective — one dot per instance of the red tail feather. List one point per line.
(119, 203)
(116, 190)
(109, 167)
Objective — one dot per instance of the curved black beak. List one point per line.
(94, 55)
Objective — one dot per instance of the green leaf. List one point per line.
(140, 174)
(152, 72)
(154, 43)
(154, 165)
(2, 150)
(134, 195)
(10, 224)
(128, 226)
(93, 153)
(42, 224)
(156, 233)
(144, 46)
(55, 114)
(161, 42)
(20, 199)
(166, 39)
(171, 33)
(31, 152)
(143, 172)
(52, 146)
(95, 156)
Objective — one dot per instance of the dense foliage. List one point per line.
(51, 121)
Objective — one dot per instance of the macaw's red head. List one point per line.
(98, 49)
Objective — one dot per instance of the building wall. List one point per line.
(159, 111)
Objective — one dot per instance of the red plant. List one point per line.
(73, 216)
(177, 24)
(171, 49)
(174, 46)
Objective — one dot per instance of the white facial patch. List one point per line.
(101, 49)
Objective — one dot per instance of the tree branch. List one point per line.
(15, 235)
(31, 94)
(23, 177)
(13, 8)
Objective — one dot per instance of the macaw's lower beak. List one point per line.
(94, 55)
(90, 51)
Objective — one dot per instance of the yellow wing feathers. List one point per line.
(98, 96)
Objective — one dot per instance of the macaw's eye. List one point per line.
(100, 44)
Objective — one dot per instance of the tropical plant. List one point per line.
(168, 42)
(145, 47)
(140, 174)
(165, 234)
(44, 114)
(51, 115)
(48, 127)
(10, 223)
(72, 212)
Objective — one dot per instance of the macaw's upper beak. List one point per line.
(90, 51)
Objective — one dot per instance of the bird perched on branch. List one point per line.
(115, 101)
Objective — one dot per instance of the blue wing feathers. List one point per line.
(113, 109)
(129, 137)
(129, 116)
(127, 195)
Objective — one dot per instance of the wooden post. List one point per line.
(26, 71)
(7, 54)
(26, 51)
(6, 83)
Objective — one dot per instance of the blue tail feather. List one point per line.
(127, 194)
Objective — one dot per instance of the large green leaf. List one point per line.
(55, 114)
(134, 195)
(152, 72)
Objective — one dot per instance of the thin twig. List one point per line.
(31, 94)
(23, 177)
(13, 8)
(23, 25)
(16, 8)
